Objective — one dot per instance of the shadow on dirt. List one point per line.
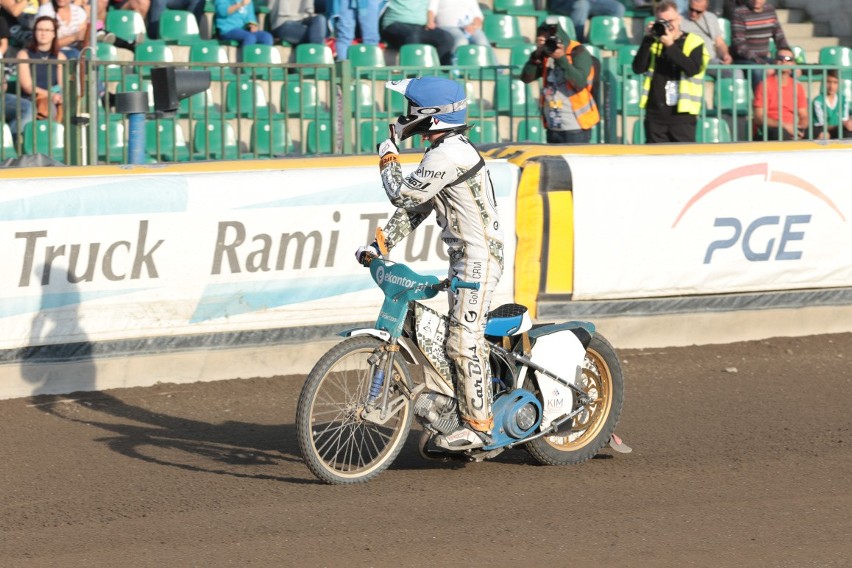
(231, 448)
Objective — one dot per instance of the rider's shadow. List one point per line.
(238, 449)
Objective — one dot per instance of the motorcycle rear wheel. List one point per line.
(603, 381)
(337, 444)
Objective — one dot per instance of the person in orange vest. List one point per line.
(567, 70)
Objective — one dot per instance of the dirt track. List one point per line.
(741, 458)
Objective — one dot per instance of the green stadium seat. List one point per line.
(370, 134)
(266, 55)
(479, 58)
(270, 139)
(639, 132)
(212, 53)
(111, 142)
(712, 129)
(607, 32)
(519, 55)
(247, 99)
(180, 27)
(318, 137)
(8, 143)
(624, 57)
(368, 61)
(628, 92)
(418, 55)
(514, 98)
(301, 99)
(108, 52)
(164, 141)
(364, 104)
(725, 25)
(215, 140)
(564, 22)
(200, 106)
(125, 24)
(314, 54)
(45, 137)
(799, 54)
(837, 56)
(516, 7)
(150, 54)
(483, 133)
(503, 30)
(530, 130)
(733, 96)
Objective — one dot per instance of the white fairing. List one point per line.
(561, 353)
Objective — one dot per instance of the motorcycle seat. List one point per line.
(508, 319)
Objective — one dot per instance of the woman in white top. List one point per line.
(73, 24)
(463, 20)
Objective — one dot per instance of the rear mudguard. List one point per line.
(561, 349)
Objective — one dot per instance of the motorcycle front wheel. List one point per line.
(338, 445)
(603, 381)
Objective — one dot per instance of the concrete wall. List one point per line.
(836, 14)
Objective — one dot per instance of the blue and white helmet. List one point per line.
(435, 104)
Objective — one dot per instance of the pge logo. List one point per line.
(786, 231)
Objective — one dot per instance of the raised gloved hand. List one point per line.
(387, 147)
(366, 254)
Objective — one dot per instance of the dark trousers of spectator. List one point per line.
(569, 136)
(310, 30)
(835, 132)
(659, 130)
(398, 34)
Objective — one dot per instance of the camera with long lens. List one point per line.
(659, 28)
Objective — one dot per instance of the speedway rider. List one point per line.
(452, 180)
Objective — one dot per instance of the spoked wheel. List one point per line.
(603, 381)
(338, 444)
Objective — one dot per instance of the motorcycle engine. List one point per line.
(438, 411)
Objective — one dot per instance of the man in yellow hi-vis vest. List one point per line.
(568, 73)
(673, 63)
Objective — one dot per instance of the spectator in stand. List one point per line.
(462, 19)
(581, 10)
(673, 65)
(236, 21)
(780, 103)
(296, 21)
(569, 111)
(730, 6)
(407, 21)
(73, 25)
(17, 111)
(160, 6)
(141, 6)
(752, 27)
(10, 10)
(702, 22)
(346, 14)
(40, 81)
(831, 110)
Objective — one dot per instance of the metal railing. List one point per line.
(258, 111)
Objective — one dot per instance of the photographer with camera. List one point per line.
(568, 72)
(673, 63)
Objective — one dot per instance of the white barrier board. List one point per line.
(649, 226)
(129, 256)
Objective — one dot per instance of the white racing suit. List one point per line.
(466, 210)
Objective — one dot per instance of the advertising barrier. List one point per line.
(656, 225)
(159, 252)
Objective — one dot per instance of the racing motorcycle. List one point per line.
(558, 389)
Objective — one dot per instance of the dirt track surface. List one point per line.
(741, 458)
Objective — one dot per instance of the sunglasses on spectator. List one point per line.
(784, 58)
(694, 11)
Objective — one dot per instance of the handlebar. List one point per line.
(456, 283)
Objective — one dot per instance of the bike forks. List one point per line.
(379, 407)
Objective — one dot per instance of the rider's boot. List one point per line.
(465, 438)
